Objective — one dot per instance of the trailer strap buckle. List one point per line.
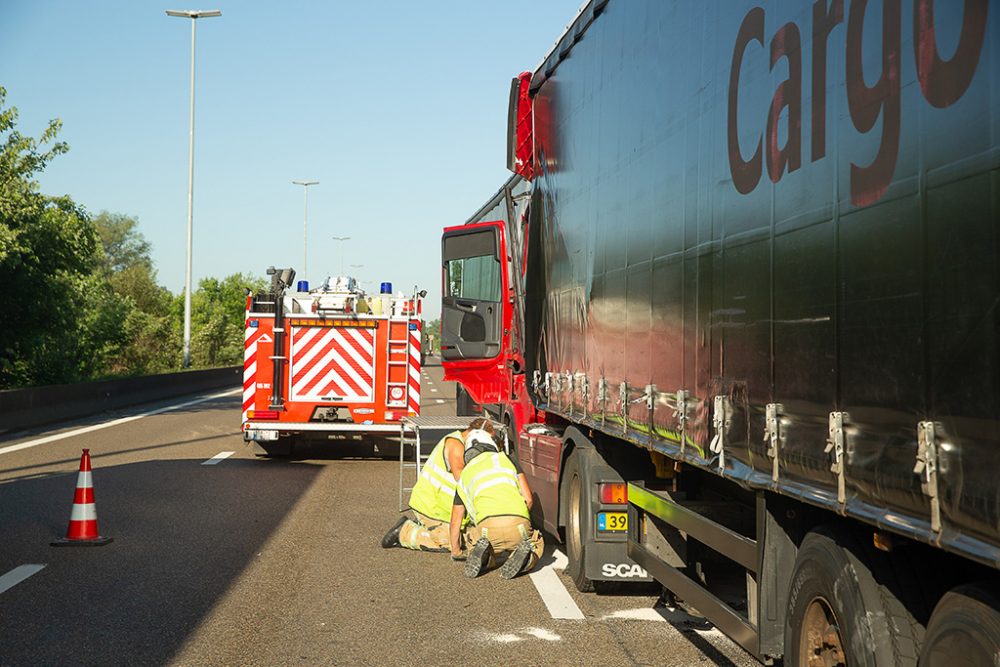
(835, 444)
(927, 467)
(722, 419)
(772, 435)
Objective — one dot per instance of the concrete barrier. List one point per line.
(34, 406)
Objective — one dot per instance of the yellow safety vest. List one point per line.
(488, 486)
(434, 493)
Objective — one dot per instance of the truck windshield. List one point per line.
(475, 278)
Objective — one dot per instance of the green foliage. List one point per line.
(432, 337)
(217, 320)
(82, 301)
(150, 342)
(123, 244)
(48, 251)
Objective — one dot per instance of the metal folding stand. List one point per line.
(409, 434)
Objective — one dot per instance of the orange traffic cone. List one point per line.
(82, 531)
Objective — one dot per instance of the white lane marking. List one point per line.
(641, 614)
(439, 400)
(17, 575)
(555, 596)
(517, 635)
(542, 633)
(115, 422)
(217, 458)
(434, 390)
(560, 561)
(501, 637)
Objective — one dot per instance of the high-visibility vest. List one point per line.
(434, 493)
(488, 486)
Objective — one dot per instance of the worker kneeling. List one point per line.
(434, 492)
(496, 495)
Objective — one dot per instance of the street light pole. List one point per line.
(305, 226)
(194, 15)
(341, 238)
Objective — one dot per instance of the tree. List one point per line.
(124, 246)
(217, 319)
(432, 337)
(151, 344)
(81, 297)
(48, 250)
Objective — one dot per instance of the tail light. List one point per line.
(262, 414)
(614, 493)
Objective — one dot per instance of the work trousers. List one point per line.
(424, 534)
(504, 534)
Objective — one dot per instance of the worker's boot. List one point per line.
(517, 560)
(480, 555)
(391, 538)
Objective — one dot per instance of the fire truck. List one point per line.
(328, 361)
(740, 304)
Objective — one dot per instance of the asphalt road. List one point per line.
(275, 562)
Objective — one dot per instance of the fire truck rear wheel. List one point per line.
(966, 624)
(577, 526)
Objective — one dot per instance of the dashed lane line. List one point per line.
(221, 456)
(439, 400)
(17, 575)
(114, 422)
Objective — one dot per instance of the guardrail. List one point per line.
(34, 406)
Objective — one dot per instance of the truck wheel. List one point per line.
(464, 407)
(964, 628)
(511, 428)
(838, 614)
(577, 525)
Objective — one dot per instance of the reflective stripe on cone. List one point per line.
(82, 529)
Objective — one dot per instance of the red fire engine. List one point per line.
(328, 360)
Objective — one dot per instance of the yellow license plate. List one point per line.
(612, 521)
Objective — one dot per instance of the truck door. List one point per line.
(475, 309)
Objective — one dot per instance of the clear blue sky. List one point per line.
(398, 108)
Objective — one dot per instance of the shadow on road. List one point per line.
(163, 407)
(182, 533)
(96, 457)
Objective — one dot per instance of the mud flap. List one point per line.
(609, 561)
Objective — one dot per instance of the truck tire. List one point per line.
(578, 528)
(511, 428)
(838, 614)
(964, 628)
(464, 407)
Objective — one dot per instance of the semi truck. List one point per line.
(740, 302)
(328, 362)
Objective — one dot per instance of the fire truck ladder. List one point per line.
(400, 347)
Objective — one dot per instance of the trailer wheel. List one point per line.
(838, 614)
(964, 628)
(577, 525)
